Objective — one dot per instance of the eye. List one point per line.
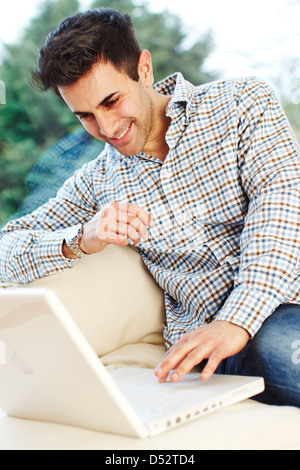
(111, 103)
(85, 116)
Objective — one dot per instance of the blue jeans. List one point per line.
(274, 354)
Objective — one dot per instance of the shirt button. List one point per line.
(168, 174)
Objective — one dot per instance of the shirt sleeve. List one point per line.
(31, 247)
(269, 164)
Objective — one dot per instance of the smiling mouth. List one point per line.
(123, 133)
(122, 138)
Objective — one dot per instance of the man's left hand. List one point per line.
(215, 341)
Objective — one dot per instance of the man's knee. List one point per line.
(274, 354)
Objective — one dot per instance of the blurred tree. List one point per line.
(164, 36)
(293, 112)
(30, 122)
(288, 86)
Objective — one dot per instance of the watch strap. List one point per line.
(73, 242)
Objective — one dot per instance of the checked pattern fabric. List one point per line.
(225, 204)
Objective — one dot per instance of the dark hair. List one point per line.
(83, 40)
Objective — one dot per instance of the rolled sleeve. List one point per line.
(33, 256)
(270, 240)
(31, 247)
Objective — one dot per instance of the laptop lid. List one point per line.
(49, 372)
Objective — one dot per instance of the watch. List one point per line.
(73, 238)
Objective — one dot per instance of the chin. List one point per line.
(128, 151)
(127, 154)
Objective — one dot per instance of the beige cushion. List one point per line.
(112, 297)
(245, 426)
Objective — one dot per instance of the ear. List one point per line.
(145, 68)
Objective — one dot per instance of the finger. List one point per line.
(109, 236)
(133, 234)
(195, 358)
(136, 211)
(164, 377)
(211, 366)
(117, 240)
(140, 228)
(125, 231)
(192, 359)
(111, 230)
(173, 357)
(135, 223)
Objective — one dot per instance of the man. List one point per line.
(204, 180)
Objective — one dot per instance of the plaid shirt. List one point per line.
(225, 202)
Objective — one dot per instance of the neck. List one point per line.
(157, 146)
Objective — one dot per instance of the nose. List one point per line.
(107, 124)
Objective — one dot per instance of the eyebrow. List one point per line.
(102, 103)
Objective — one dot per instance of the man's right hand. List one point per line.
(116, 224)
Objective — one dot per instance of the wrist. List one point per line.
(71, 246)
(89, 242)
(67, 253)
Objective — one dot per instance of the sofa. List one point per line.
(120, 309)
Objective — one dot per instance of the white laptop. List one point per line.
(49, 372)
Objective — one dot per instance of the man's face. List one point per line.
(113, 108)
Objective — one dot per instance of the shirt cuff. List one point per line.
(40, 256)
(52, 246)
(247, 308)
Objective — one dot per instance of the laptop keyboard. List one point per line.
(161, 401)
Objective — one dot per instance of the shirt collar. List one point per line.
(182, 92)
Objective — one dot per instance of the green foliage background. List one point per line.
(31, 122)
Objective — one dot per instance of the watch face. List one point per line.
(74, 233)
(73, 239)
